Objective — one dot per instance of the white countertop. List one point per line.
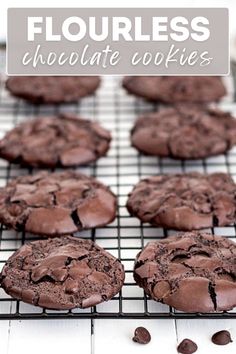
(110, 336)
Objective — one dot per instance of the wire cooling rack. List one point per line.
(121, 169)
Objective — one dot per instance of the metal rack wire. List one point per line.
(122, 168)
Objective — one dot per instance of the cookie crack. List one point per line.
(215, 220)
(221, 272)
(75, 218)
(54, 198)
(190, 268)
(36, 298)
(69, 260)
(212, 293)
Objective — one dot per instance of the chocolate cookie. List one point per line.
(56, 203)
(192, 272)
(65, 141)
(185, 201)
(62, 273)
(185, 132)
(173, 89)
(52, 89)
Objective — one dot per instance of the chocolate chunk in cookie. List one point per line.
(52, 89)
(185, 201)
(64, 140)
(192, 272)
(56, 203)
(173, 89)
(62, 273)
(185, 132)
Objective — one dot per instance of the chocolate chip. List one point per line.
(187, 346)
(141, 335)
(221, 338)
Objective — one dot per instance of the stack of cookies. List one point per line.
(192, 271)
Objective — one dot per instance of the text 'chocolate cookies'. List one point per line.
(56, 203)
(62, 273)
(192, 272)
(185, 201)
(66, 141)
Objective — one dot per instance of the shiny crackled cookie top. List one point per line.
(52, 89)
(185, 201)
(184, 132)
(56, 203)
(55, 141)
(192, 271)
(62, 273)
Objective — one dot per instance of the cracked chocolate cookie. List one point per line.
(62, 273)
(174, 89)
(52, 89)
(185, 201)
(56, 203)
(184, 132)
(192, 272)
(64, 140)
